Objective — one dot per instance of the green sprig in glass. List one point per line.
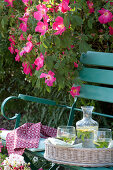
(102, 137)
(66, 133)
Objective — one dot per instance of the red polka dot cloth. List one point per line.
(27, 136)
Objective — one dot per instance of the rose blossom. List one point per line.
(106, 16)
(75, 91)
(59, 26)
(111, 30)
(49, 78)
(42, 27)
(39, 62)
(10, 2)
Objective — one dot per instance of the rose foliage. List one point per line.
(48, 37)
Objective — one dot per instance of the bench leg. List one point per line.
(27, 160)
(54, 166)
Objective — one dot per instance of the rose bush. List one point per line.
(48, 37)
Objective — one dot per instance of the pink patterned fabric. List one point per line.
(27, 136)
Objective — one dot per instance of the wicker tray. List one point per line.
(86, 157)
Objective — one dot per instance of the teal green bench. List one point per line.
(97, 74)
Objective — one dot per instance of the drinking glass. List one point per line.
(66, 133)
(102, 137)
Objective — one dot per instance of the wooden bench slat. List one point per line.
(99, 93)
(97, 75)
(97, 58)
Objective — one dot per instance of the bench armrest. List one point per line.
(17, 115)
(43, 101)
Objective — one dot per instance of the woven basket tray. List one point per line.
(86, 157)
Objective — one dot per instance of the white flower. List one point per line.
(6, 167)
(4, 162)
(14, 160)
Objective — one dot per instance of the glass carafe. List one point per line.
(85, 128)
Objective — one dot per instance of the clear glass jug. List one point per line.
(85, 128)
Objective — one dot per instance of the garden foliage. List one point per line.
(48, 37)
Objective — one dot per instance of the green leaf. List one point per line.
(48, 89)
(90, 23)
(42, 49)
(84, 47)
(82, 137)
(34, 52)
(37, 73)
(57, 41)
(78, 20)
(43, 113)
(4, 21)
(46, 44)
(49, 62)
(78, 82)
(66, 21)
(41, 38)
(38, 83)
(111, 24)
(61, 85)
(57, 65)
(2, 34)
(78, 6)
(66, 41)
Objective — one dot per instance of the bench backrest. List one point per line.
(97, 74)
(97, 69)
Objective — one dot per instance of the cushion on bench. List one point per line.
(4, 133)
